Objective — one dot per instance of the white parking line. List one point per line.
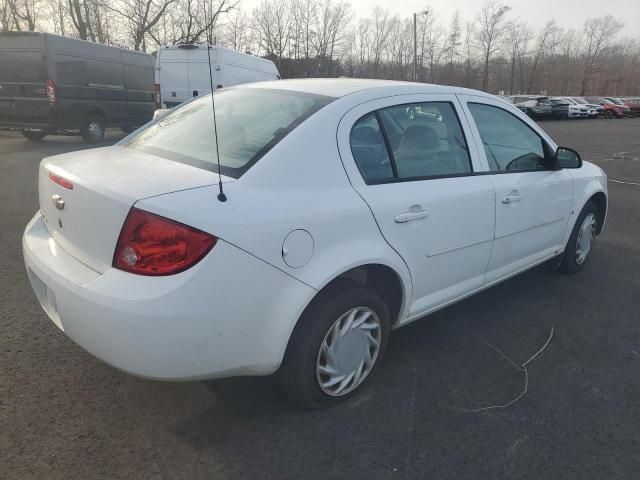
(625, 183)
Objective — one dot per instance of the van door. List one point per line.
(23, 72)
(198, 71)
(139, 86)
(174, 76)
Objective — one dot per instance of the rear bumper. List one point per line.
(230, 315)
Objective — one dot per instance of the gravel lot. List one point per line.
(65, 415)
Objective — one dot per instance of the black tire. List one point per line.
(608, 114)
(33, 136)
(569, 263)
(93, 129)
(296, 377)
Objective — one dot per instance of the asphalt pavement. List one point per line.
(66, 415)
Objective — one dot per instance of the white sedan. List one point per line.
(349, 208)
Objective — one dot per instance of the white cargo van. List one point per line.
(182, 71)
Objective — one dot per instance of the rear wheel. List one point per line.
(93, 129)
(581, 241)
(608, 114)
(33, 135)
(335, 347)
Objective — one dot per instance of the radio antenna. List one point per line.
(221, 196)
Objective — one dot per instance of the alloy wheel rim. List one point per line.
(586, 235)
(95, 130)
(348, 351)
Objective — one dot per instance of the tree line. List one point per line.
(491, 50)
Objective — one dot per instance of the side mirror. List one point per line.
(567, 158)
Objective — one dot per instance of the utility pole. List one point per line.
(415, 42)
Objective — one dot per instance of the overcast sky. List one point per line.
(567, 13)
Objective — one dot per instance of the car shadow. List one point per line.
(440, 366)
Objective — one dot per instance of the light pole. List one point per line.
(415, 42)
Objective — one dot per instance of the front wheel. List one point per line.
(337, 344)
(581, 240)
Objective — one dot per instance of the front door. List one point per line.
(533, 200)
(410, 159)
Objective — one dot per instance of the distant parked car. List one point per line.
(576, 110)
(534, 105)
(634, 106)
(182, 71)
(57, 85)
(611, 109)
(595, 110)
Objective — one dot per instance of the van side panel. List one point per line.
(23, 72)
(90, 80)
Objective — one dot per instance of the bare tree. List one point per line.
(548, 39)
(491, 23)
(22, 14)
(140, 16)
(598, 34)
(271, 22)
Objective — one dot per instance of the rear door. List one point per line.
(412, 159)
(23, 72)
(174, 76)
(533, 201)
(198, 71)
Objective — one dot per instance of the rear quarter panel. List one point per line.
(299, 185)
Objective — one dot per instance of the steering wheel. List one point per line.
(516, 160)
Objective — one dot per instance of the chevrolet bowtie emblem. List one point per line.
(58, 201)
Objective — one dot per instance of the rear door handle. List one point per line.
(511, 199)
(405, 217)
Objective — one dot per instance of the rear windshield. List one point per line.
(250, 122)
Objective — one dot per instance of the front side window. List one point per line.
(250, 122)
(410, 141)
(509, 143)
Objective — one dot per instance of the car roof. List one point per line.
(341, 87)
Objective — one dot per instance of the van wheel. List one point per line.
(33, 136)
(93, 129)
(336, 346)
(581, 240)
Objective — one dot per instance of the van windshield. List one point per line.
(250, 122)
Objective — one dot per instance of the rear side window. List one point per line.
(410, 142)
(250, 122)
(369, 150)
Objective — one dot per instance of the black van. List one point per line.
(51, 84)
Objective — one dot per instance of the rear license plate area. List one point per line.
(46, 297)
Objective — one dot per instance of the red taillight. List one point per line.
(52, 92)
(154, 245)
(157, 90)
(63, 182)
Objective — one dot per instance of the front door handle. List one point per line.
(511, 199)
(405, 217)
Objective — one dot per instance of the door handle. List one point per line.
(511, 199)
(405, 217)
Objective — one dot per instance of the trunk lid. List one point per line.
(106, 184)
